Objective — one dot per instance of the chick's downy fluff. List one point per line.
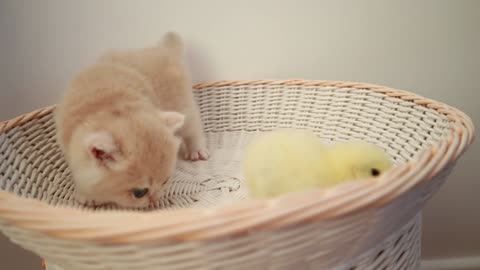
(291, 160)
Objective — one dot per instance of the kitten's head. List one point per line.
(128, 161)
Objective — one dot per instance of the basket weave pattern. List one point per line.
(362, 225)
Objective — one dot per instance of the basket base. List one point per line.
(402, 248)
(50, 266)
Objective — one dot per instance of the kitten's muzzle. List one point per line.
(152, 200)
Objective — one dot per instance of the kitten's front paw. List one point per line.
(83, 200)
(201, 154)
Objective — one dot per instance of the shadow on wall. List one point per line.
(15, 257)
(198, 63)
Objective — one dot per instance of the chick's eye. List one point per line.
(139, 192)
(375, 172)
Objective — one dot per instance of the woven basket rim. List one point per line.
(189, 224)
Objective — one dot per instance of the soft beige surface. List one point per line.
(430, 47)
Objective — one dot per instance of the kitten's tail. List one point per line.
(173, 43)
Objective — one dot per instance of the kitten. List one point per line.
(118, 123)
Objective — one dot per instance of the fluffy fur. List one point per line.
(119, 122)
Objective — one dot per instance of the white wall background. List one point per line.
(430, 47)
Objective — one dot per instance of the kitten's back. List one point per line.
(164, 66)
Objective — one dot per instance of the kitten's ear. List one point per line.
(173, 120)
(102, 147)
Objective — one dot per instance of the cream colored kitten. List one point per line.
(118, 121)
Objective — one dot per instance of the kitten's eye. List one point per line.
(140, 192)
(375, 172)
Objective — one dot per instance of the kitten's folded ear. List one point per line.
(173, 120)
(102, 147)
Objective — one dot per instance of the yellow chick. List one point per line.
(292, 160)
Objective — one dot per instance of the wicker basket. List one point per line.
(373, 224)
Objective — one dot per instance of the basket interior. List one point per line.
(31, 164)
